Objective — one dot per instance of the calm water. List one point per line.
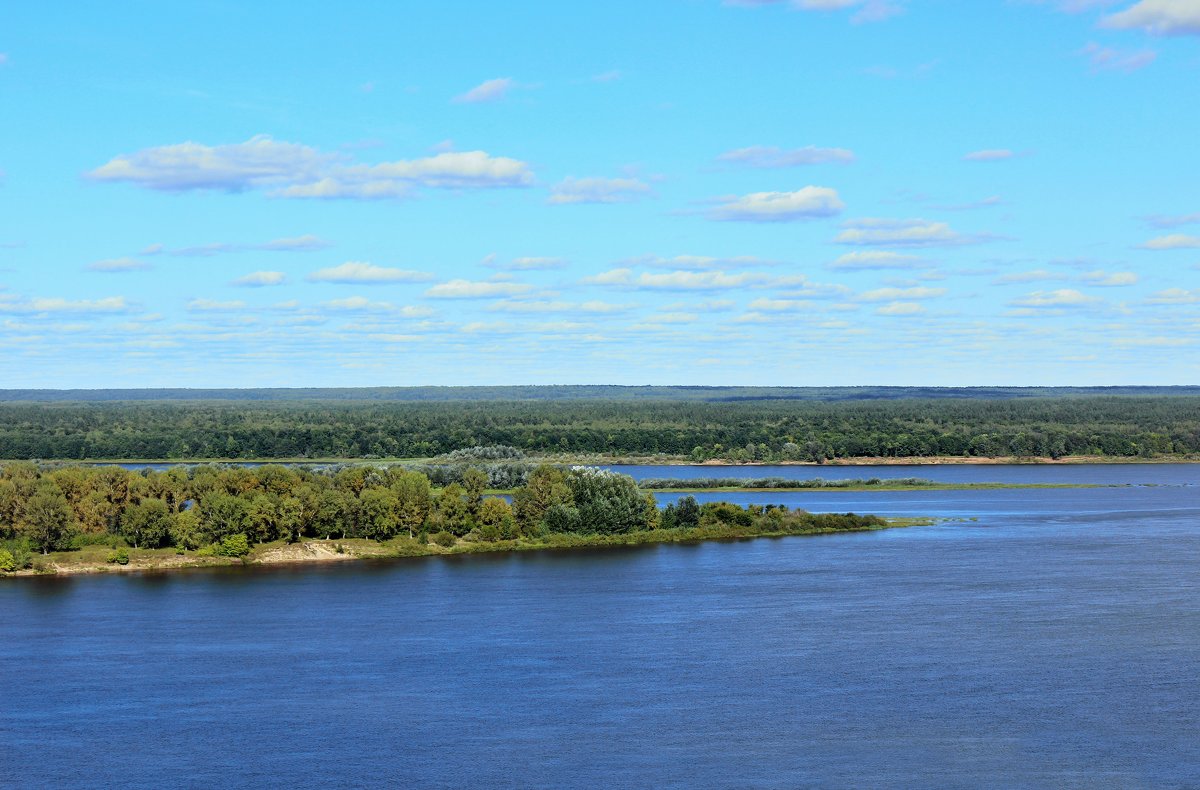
(1052, 642)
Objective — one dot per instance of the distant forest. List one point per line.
(755, 425)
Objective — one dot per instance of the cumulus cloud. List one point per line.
(291, 170)
(877, 259)
(361, 304)
(260, 279)
(598, 190)
(1063, 297)
(1104, 58)
(214, 306)
(895, 294)
(486, 91)
(902, 233)
(772, 157)
(807, 203)
(360, 272)
(117, 265)
(36, 305)
(1110, 279)
(900, 309)
(1173, 241)
(468, 289)
(1175, 296)
(1159, 17)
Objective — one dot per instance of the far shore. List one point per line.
(643, 460)
(91, 560)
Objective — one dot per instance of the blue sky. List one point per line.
(814, 192)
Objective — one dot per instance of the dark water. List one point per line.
(1053, 642)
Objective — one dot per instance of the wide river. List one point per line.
(1041, 638)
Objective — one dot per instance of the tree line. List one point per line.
(227, 509)
(761, 430)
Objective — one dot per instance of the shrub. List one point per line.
(233, 546)
(443, 539)
(20, 551)
(489, 533)
(119, 556)
(8, 563)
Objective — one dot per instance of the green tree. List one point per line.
(224, 514)
(380, 513)
(414, 500)
(47, 520)
(545, 487)
(146, 524)
(474, 482)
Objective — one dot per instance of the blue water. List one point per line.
(1052, 642)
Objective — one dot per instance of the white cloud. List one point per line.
(359, 272)
(989, 155)
(358, 304)
(621, 276)
(1173, 241)
(213, 306)
(468, 289)
(115, 265)
(1159, 17)
(258, 162)
(694, 281)
(773, 157)
(260, 279)
(900, 309)
(109, 304)
(807, 203)
(902, 233)
(1063, 297)
(1108, 59)
(894, 294)
(598, 190)
(1175, 296)
(872, 259)
(1110, 279)
(291, 170)
(486, 91)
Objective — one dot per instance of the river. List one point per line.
(1037, 638)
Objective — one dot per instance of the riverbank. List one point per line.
(94, 559)
(601, 459)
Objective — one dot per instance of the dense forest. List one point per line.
(765, 429)
(224, 510)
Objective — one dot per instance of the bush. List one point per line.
(82, 539)
(233, 546)
(443, 539)
(120, 556)
(20, 551)
(8, 562)
(489, 533)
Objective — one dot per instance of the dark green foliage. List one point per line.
(701, 423)
(687, 514)
(146, 524)
(443, 539)
(119, 556)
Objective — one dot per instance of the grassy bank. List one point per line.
(95, 559)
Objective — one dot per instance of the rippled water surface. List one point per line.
(1051, 638)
